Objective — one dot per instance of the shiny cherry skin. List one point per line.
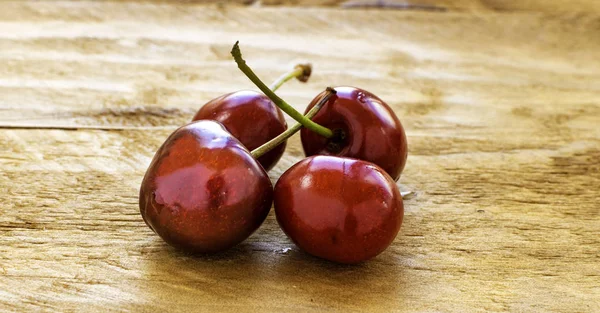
(251, 117)
(365, 128)
(340, 209)
(203, 192)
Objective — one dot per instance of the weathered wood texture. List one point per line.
(426, 5)
(502, 111)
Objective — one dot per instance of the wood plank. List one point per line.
(499, 231)
(425, 5)
(501, 112)
(552, 6)
(159, 70)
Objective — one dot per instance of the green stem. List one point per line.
(300, 71)
(284, 106)
(268, 146)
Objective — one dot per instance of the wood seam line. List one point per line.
(86, 127)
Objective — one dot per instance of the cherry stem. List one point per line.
(300, 71)
(268, 146)
(284, 106)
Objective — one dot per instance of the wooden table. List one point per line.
(500, 101)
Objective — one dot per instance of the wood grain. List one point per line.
(501, 111)
(553, 6)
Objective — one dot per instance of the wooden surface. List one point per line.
(501, 104)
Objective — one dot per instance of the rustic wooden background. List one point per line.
(500, 100)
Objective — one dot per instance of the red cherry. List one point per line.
(203, 191)
(340, 209)
(250, 117)
(364, 128)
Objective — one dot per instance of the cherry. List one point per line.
(203, 191)
(354, 124)
(364, 127)
(252, 117)
(340, 209)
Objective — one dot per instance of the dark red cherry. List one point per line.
(364, 128)
(340, 209)
(251, 117)
(203, 191)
